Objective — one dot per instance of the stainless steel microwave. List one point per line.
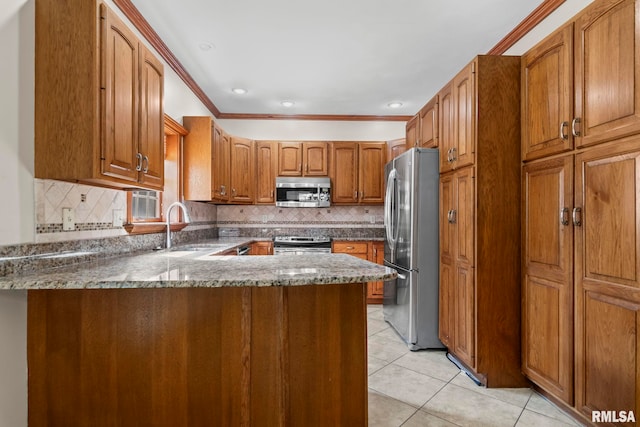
(303, 192)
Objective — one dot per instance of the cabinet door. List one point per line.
(464, 117)
(242, 183)
(547, 101)
(464, 305)
(266, 170)
(463, 216)
(607, 54)
(395, 148)
(344, 172)
(445, 126)
(289, 159)
(371, 161)
(608, 277)
(375, 290)
(315, 158)
(262, 248)
(547, 291)
(120, 157)
(429, 124)
(447, 259)
(220, 162)
(151, 119)
(412, 132)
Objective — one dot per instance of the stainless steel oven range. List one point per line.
(296, 245)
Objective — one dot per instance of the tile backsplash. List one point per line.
(261, 216)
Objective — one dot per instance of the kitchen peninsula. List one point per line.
(188, 337)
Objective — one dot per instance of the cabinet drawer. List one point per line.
(350, 247)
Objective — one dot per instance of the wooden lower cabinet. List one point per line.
(547, 288)
(607, 278)
(262, 248)
(369, 250)
(231, 356)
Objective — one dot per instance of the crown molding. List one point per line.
(527, 24)
(326, 117)
(141, 24)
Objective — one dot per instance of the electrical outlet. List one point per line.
(118, 217)
(68, 219)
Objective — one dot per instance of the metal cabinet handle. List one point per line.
(300, 167)
(272, 194)
(223, 190)
(233, 192)
(349, 248)
(453, 154)
(449, 155)
(306, 168)
(577, 217)
(575, 122)
(564, 216)
(145, 164)
(563, 135)
(355, 195)
(451, 216)
(138, 162)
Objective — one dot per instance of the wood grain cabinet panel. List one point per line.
(607, 75)
(266, 171)
(231, 356)
(547, 96)
(395, 148)
(429, 124)
(608, 277)
(261, 248)
(357, 172)
(412, 132)
(303, 159)
(368, 250)
(241, 168)
(547, 300)
(102, 121)
(480, 296)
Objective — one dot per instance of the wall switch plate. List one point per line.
(118, 217)
(68, 219)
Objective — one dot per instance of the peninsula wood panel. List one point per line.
(198, 356)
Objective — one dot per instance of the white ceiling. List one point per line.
(344, 57)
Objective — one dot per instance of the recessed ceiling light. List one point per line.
(206, 46)
(287, 104)
(394, 104)
(239, 91)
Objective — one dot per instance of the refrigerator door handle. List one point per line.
(389, 210)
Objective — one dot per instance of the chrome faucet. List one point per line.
(187, 219)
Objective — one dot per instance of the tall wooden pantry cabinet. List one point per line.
(480, 220)
(581, 210)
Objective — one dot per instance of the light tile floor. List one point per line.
(424, 388)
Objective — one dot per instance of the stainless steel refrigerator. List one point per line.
(410, 302)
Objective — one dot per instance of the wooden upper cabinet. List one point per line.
(221, 158)
(315, 158)
(464, 116)
(102, 122)
(547, 96)
(151, 118)
(289, 159)
(303, 159)
(429, 124)
(357, 172)
(371, 160)
(266, 171)
(241, 170)
(445, 127)
(412, 132)
(344, 172)
(396, 147)
(196, 157)
(607, 75)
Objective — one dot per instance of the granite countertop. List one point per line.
(197, 265)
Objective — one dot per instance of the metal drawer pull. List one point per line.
(563, 135)
(575, 122)
(564, 216)
(453, 154)
(453, 216)
(577, 217)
